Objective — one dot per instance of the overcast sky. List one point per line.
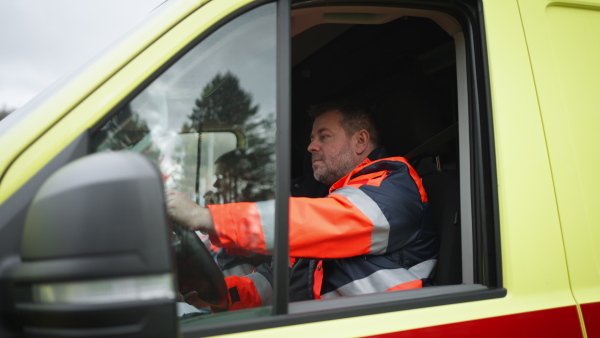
(42, 40)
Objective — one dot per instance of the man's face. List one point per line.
(333, 155)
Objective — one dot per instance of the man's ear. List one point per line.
(362, 141)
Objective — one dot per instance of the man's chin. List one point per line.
(317, 169)
(323, 179)
(318, 176)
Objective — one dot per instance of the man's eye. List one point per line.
(324, 137)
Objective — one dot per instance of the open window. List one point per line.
(420, 70)
(402, 63)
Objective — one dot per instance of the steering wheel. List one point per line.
(197, 270)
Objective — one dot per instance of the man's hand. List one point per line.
(192, 299)
(187, 213)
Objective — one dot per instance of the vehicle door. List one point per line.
(564, 48)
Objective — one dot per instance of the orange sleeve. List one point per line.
(329, 227)
(238, 225)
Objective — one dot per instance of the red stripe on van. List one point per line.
(591, 315)
(559, 322)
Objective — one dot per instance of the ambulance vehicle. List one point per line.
(494, 102)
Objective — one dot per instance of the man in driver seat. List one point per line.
(372, 233)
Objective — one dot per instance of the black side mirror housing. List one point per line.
(96, 254)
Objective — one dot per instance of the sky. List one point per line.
(43, 40)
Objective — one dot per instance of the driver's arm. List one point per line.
(187, 213)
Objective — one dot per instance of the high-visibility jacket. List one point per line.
(372, 233)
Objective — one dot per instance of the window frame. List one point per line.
(282, 160)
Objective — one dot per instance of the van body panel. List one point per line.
(529, 226)
(564, 49)
(566, 70)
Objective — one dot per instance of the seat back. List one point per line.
(444, 198)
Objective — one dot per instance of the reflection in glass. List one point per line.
(218, 97)
(208, 122)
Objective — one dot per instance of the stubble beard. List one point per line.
(332, 171)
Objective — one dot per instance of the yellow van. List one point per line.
(495, 103)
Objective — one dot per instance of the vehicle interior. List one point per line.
(401, 63)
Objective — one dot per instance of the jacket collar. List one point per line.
(376, 154)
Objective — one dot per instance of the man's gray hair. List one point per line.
(355, 117)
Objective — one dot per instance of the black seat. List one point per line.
(444, 198)
(421, 134)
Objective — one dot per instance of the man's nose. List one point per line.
(312, 147)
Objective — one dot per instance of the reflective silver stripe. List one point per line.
(265, 291)
(383, 280)
(381, 226)
(423, 269)
(266, 212)
(239, 270)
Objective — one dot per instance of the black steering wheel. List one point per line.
(197, 270)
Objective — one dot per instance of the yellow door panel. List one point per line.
(529, 227)
(565, 48)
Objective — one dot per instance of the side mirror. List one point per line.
(96, 255)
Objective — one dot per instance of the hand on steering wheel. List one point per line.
(200, 280)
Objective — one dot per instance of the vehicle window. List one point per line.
(410, 67)
(410, 85)
(208, 123)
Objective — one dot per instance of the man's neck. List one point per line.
(377, 153)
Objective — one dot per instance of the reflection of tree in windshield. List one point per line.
(239, 178)
(153, 126)
(122, 131)
(245, 175)
(223, 101)
(242, 175)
